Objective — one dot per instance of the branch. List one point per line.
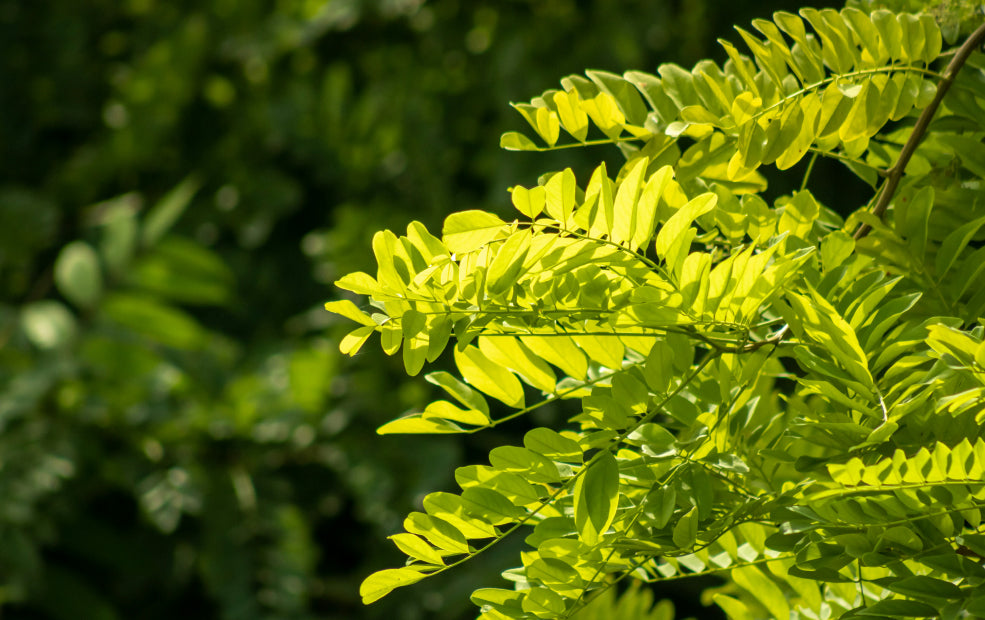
(896, 172)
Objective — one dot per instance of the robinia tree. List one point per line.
(763, 391)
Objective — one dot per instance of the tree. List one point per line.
(746, 386)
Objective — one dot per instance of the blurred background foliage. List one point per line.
(181, 181)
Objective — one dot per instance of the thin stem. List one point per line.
(810, 168)
(895, 175)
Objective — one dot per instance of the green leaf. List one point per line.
(543, 603)
(836, 247)
(449, 507)
(921, 586)
(163, 215)
(529, 202)
(897, 607)
(488, 377)
(349, 310)
(516, 141)
(458, 390)
(535, 467)
(158, 322)
(416, 547)
(553, 445)
(444, 410)
(48, 324)
(686, 530)
(671, 234)
(626, 203)
(560, 191)
(381, 583)
(509, 485)
(628, 98)
(753, 580)
(596, 497)
(507, 265)
(573, 117)
(954, 244)
(560, 351)
(467, 231)
(437, 531)
(557, 575)
(118, 241)
(416, 424)
(359, 282)
(354, 340)
(78, 275)
(509, 352)
(489, 505)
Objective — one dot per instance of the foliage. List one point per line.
(178, 436)
(755, 388)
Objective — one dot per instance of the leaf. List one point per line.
(449, 508)
(536, 467)
(488, 377)
(458, 390)
(48, 324)
(686, 530)
(954, 244)
(529, 202)
(596, 496)
(507, 264)
(158, 322)
(898, 607)
(444, 410)
(553, 445)
(181, 270)
(543, 603)
(489, 505)
(359, 282)
(354, 340)
(417, 424)
(560, 351)
(509, 352)
(560, 196)
(349, 310)
(78, 275)
(163, 215)
(467, 231)
(573, 117)
(437, 531)
(763, 589)
(920, 586)
(381, 583)
(626, 201)
(671, 234)
(516, 141)
(416, 547)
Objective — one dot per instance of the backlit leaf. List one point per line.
(596, 496)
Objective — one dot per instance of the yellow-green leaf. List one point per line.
(488, 377)
(381, 583)
(596, 497)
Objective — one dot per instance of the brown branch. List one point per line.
(895, 175)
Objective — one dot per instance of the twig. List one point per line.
(896, 172)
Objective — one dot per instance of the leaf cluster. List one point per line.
(753, 390)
